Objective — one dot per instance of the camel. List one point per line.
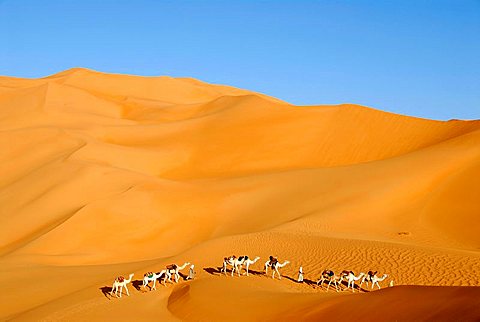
(249, 262)
(244, 260)
(237, 263)
(328, 275)
(376, 279)
(173, 269)
(368, 277)
(228, 261)
(275, 265)
(119, 283)
(372, 277)
(351, 278)
(148, 277)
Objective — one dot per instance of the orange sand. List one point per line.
(104, 174)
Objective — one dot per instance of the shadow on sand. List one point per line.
(213, 270)
(106, 291)
(137, 284)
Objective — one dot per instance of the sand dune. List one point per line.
(104, 174)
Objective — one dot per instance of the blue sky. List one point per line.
(419, 58)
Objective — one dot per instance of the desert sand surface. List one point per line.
(107, 174)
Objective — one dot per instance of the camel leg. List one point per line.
(126, 290)
(279, 276)
(113, 288)
(336, 286)
(246, 268)
(154, 285)
(121, 290)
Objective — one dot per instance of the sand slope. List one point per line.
(103, 174)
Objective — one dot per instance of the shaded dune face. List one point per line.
(105, 169)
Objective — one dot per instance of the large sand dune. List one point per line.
(106, 174)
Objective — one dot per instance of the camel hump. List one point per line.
(246, 257)
(172, 266)
(149, 274)
(241, 258)
(120, 279)
(372, 273)
(329, 273)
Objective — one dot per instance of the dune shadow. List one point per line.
(213, 270)
(106, 291)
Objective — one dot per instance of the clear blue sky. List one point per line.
(418, 58)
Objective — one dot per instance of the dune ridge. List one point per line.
(104, 173)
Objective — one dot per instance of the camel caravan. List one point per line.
(244, 262)
(350, 277)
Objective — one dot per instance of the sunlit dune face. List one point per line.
(104, 175)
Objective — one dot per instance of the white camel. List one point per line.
(328, 275)
(247, 262)
(173, 269)
(149, 277)
(231, 260)
(372, 277)
(376, 279)
(119, 283)
(351, 278)
(275, 265)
